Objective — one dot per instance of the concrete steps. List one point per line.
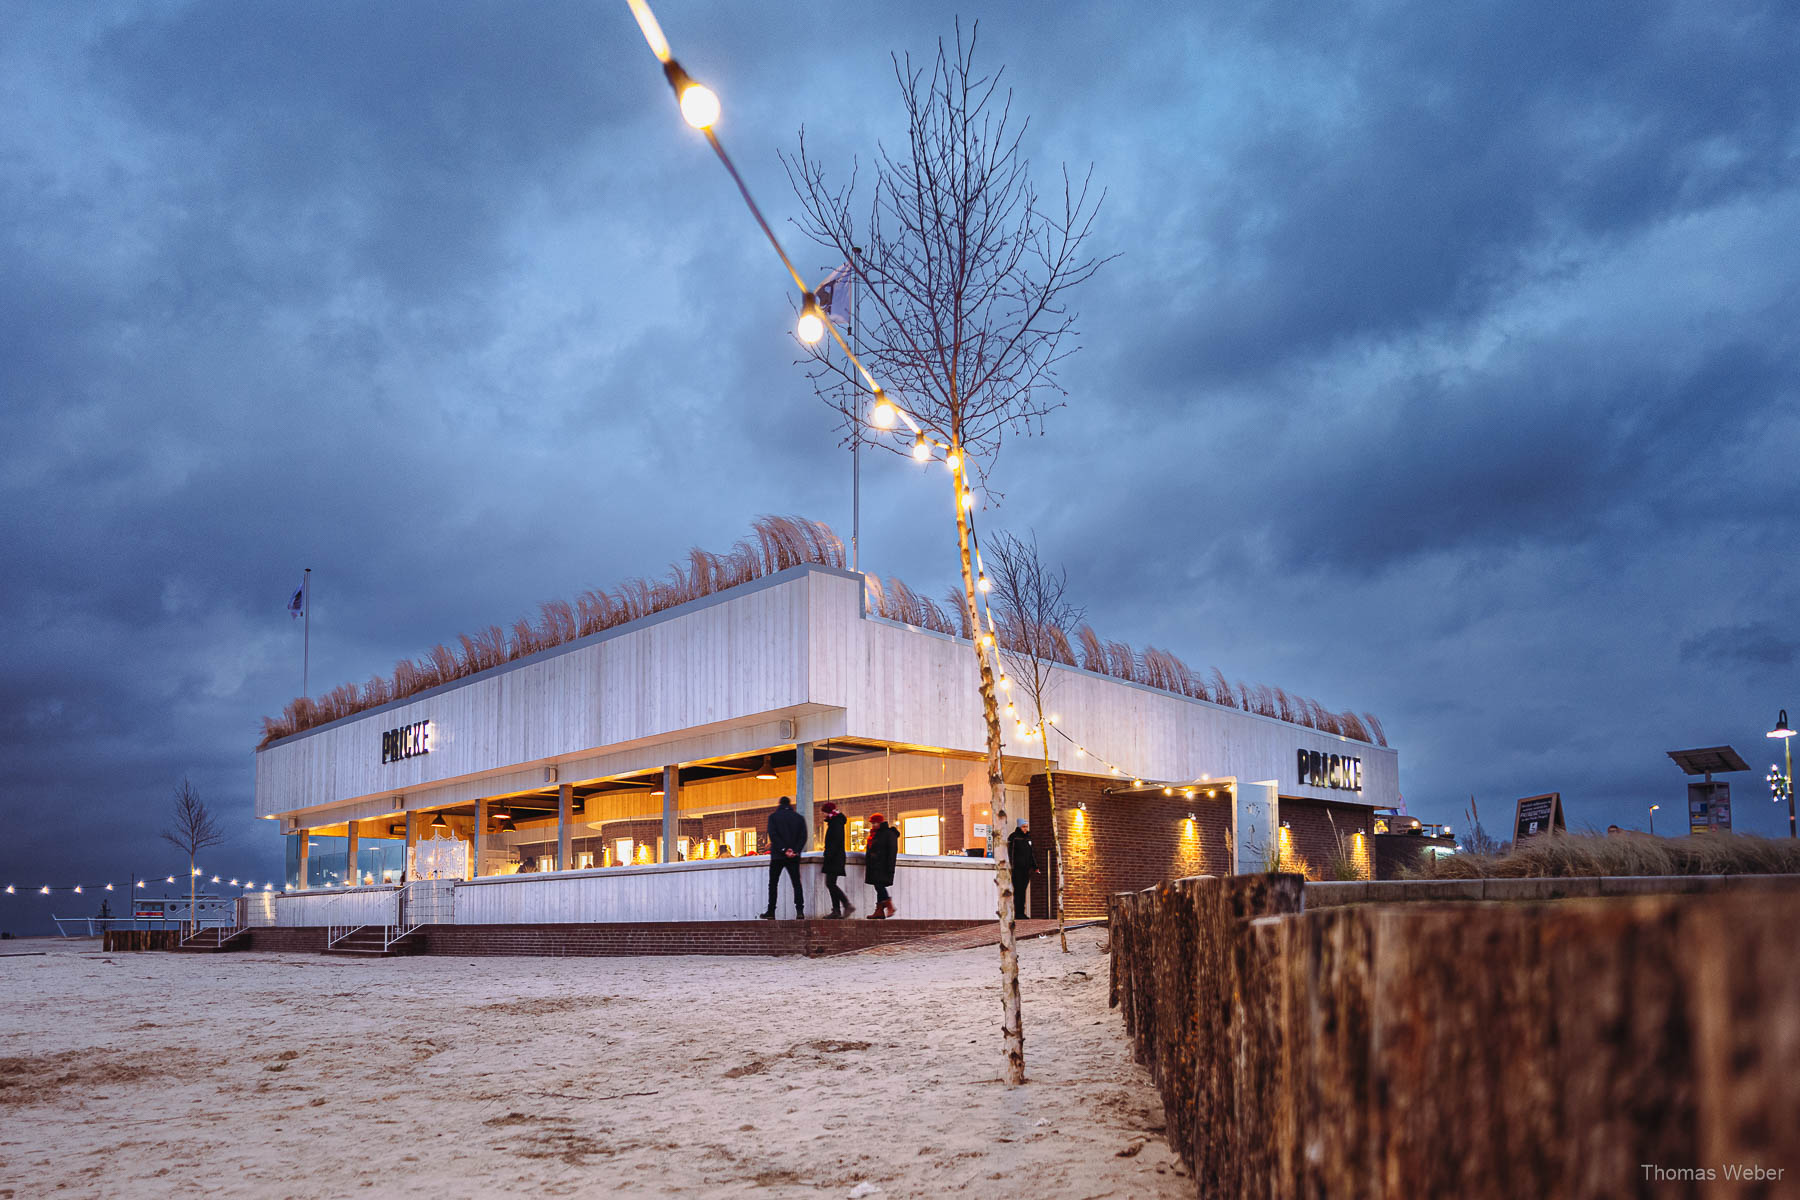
(369, 941)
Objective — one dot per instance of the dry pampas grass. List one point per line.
(776, 544)
(1558, 854)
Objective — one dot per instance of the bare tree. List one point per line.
(191, 830)
(962, 271)
(1035, 617)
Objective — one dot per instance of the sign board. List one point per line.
(1709, 807)
(981, 829)
(408, 741)
(1538, 814)
(1337, 771)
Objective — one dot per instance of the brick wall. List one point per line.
(1122, 843)
(1314, 828)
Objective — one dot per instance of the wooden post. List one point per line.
(478, 840)
(305, 840)
(671, 814)
(352, 876)
(565, 805)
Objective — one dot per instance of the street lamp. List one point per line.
(1786, 781)
(1653, 809)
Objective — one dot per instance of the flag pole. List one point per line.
(306, 639)
(855, 440)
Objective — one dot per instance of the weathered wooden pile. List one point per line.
(1465, 1049)
(114, 940)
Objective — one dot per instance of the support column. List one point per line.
(352, 876)
(671, 828)
(803, 786)
(412, 839)
(478, 840)
(305, 839)
(565, 817)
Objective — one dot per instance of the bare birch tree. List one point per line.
(191, 830)
(961, 269)
(1035, 617)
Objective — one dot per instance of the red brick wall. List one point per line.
(1313, 831)
(1122, 843)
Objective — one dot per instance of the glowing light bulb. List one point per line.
(811, 328)
(170, 879)
(9, 889)
(1113, 769)
(140, 883)
(234, 883)
(953, 460)
(983, 584)
(43, 891)
(987, 639)
(1052, 718)
(968, 498)
(1168, 791)
(109, 887)
(78, 889)
(1005, 684)
(1080, 753)
(884, 414)
(921, 448)
(699, 106)
(215, 879)
(1010, 708)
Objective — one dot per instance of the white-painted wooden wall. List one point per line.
(718, 676)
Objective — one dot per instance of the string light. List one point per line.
(921, 450)
(953, 459)
(885, 412)
(811, 326)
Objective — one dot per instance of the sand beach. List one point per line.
(277, 1075)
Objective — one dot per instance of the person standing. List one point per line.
(787, 838)
(833, 862)
(1024, 865)
(879, 861)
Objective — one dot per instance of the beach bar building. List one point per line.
(626, 777)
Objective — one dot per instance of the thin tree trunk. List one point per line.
(1012, 1025)
(190, 895)
(1056, 889)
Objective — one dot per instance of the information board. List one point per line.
(1538, 814)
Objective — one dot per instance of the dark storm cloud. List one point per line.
(1447, 369)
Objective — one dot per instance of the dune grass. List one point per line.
(1590, 854)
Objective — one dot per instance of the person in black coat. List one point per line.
(879, 861)
(787, 839)
(833, 863)
(1023, 860)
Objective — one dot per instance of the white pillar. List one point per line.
(352, 876)
(305, 840)
(803, 785)
(671, 814)
(478, 840)
(565, 817)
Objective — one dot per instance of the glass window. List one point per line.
(741, 842)
(622, 848)
(584, 860)
(920, 833)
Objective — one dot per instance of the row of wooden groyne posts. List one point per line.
(1470, 1039)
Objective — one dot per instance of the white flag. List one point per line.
(834, 296)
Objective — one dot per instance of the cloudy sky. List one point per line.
(1448, 368)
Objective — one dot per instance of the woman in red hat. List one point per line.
(879, 862)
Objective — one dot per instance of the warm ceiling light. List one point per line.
(438, 822)
(767, 772)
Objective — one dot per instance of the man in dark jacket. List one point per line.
(1023, 860)
(833, 862)
(787, 838)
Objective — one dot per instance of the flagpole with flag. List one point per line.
(300, 605)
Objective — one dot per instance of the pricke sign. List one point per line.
(1337, 771)
(408, 741)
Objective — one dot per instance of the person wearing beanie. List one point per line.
(879, 861)
(787, 838)
(833, 864)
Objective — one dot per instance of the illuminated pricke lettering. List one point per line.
(1337, 771)
(408, 741)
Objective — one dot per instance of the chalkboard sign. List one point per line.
(1538, 814)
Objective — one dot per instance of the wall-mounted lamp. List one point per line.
(1081, 806)
(1191, 818)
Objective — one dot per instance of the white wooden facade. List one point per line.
(790, 658)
